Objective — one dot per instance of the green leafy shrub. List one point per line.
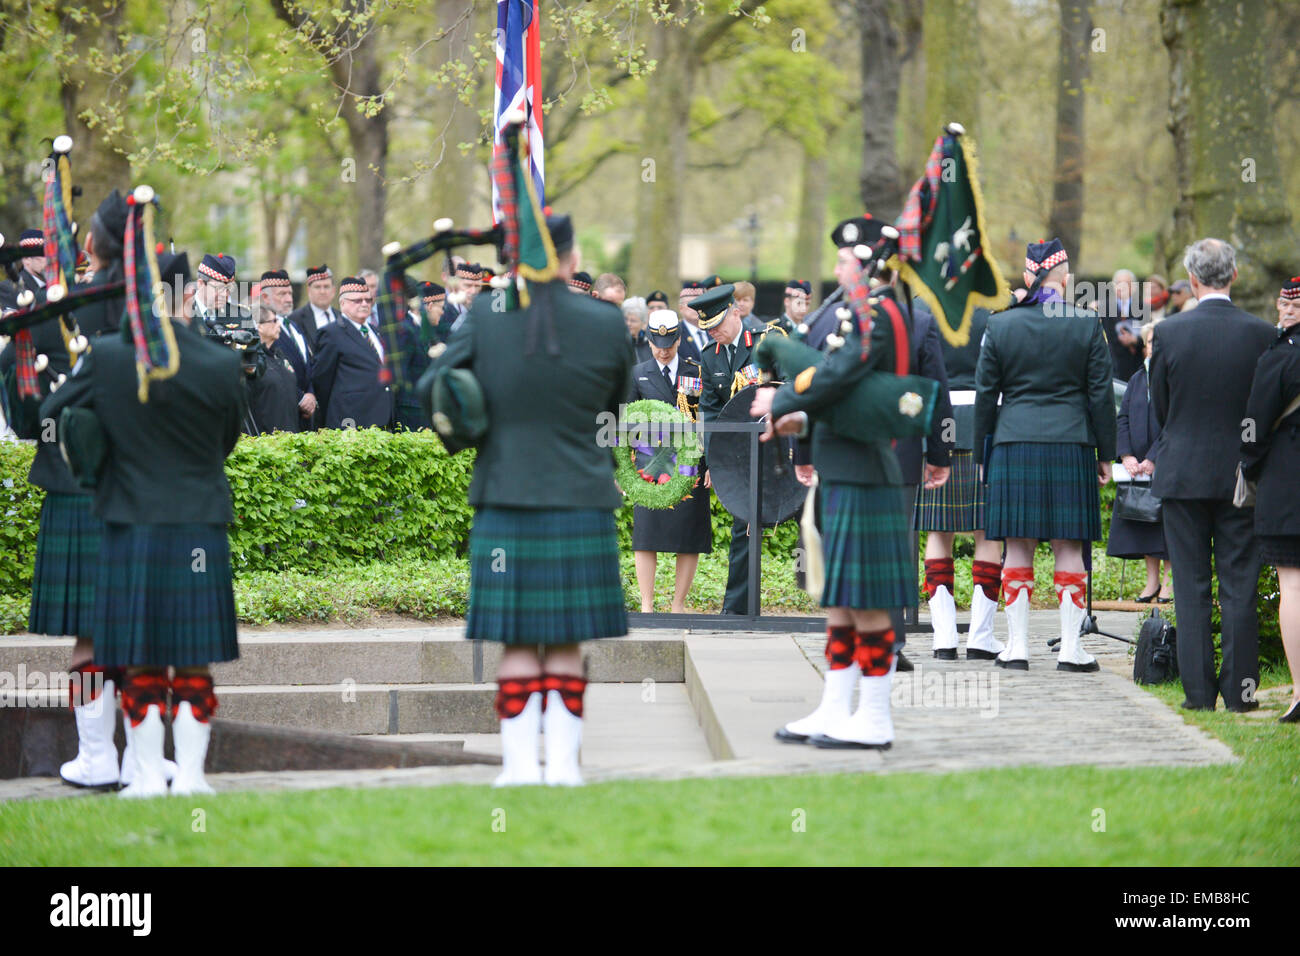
(20, 511)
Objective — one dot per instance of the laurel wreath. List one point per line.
(675, 450)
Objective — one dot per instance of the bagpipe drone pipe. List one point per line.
(504, 236)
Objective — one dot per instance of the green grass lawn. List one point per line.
(1241, 814)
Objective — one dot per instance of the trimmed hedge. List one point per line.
(322, 501)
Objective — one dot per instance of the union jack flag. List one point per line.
(519, 83)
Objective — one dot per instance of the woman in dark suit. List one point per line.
(1137, 431)
(686, 529)
(1273, 459)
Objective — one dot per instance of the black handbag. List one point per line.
(1156, 659)
(1135, 502)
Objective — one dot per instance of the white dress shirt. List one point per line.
(368, 334)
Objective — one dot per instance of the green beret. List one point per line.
(459, 411)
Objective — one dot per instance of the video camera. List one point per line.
(234, 328)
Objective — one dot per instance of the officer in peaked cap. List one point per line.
(727, 366)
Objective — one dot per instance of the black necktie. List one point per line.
(668, 378)
(731, 358)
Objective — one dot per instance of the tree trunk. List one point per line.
(880, 182)
(1066, 218)
(811, 236)
(99, 163)
(369, 139)
(953, 66)
(914, 140)
(1229, 178)
(357, 72)
(656, 248)
(323, 211)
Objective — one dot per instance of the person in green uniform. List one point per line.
(67, 542)
(868, 557)
(728, 366)
(544, 570)
(1049, 442)
(164, 605)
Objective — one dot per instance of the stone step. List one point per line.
(382, 656)
(365, 708)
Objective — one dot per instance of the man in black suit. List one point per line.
(1202, 364)
(318, 311)
(348, 362)
(277, 296)
(1121, 325)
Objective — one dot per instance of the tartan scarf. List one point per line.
(918, 211)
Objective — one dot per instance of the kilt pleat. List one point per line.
(544, 576)
(67, 555)
(867, 548)
(164, 596)
(956, 506)
(1043, 491)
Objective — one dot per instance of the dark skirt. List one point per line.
(164, 596)
(686, 528)
(958, 505)
(1279, 550)
(1136, 539)
(867, 547)
(1043, 491)
(67, 555)
(544, 576)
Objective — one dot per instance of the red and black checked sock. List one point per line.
(85, 682)
(571, 690)
(840, 643)
(1015, 580)
(987, 575)
(875, 653)
(938, 573)
(197, 689)
(142, 690)
(1075, 582)
(513, 694)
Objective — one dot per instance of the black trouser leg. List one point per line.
(1236, 561)
(736, 599)
(1188, 526)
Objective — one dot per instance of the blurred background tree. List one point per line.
(686, 136)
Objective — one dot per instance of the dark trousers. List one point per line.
(1192, 528)
(736, 599)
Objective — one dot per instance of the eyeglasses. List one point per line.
(360, 299)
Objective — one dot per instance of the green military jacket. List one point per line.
(837, 459)
(166, 457)
(545, 411)
(1050, 366)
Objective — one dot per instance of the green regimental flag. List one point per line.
(943, 252)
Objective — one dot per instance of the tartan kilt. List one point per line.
(544, 576)
(867, 547)
(958, 506)
(1042, 491)
(155, 605)
(67, 554)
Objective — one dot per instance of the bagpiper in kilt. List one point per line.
(957, 507)
(68, 539)
(869, 567)
(1045, 433)
(544, 570)
(164, 596)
